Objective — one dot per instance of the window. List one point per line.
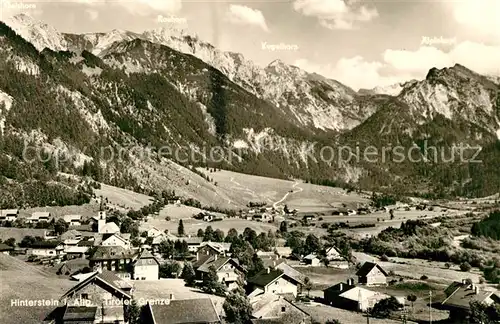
(283, 309)
(85, 296)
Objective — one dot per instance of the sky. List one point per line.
(362, 44)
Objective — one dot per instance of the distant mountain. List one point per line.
(76, 94)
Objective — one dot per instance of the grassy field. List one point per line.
(19, 233)
(123, 198)
(22, 281)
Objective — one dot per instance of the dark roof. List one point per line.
(367, 267)
(462, 294)
(336, 288)
(5, 247)
(265, 277)
(185, 311)
(107, 278)
(216, 262)
(80, 313)
(111, 253)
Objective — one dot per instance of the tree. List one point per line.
(391, 212)
(232, 235)
(283, 227)
(200, 233)
(209, 234)
(130, 226)
(180, 228)
(286, 210)
(218, 236)
(256, 265)
(211, 284)
(385, 307)
(447, 265)
(483, 314)
(312, 244)
(307, 285)
(132, 312)
(188, 274)
(166, 249)
(237, 308)
(10, 242)
(411, 298)
(465, 267)
(169, 270)
(60, 226)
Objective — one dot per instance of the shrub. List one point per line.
(465, 267)
(424, 277)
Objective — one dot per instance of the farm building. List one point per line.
(312, 260)
(46, 248)
(38, 217)
(73, 220)
(371, 274)
(9, 215)
(113, 258)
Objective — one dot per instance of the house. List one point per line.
(349, 296)
(154, 232)
(312, 260)
(186, 311)
(115, 258)
(193, 242)
(265, 254)
(336, 260)
(146, 267)
(229, 271)
(38, 217)
(104, 295)
(264, 217)
(5, 249)
(271, 308)
(208, 218)
(371, 274)
(116, 239)
(273, 281)
(459, 295)
(214, 248)
(46, 248)
(73, 252)
(73, 220)
(108, 228)
(9, 215)
(309, 218)
(283, 251)
(298, 276)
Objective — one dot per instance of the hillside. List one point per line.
(146, 107)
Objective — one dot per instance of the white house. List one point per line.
(46, 248)
(146, 267)
(274, 281)
(9, 215)
(73, 220)
(38, 217)
(116, 240)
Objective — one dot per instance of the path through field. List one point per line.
(275, 205)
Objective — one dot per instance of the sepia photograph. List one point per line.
(249, 161)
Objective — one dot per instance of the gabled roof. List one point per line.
(110, 228)
(184, 311)
(9, 212)
(118, 236)
(264, 305)
(69, 218)
(70, 234)
(218, 246)
(217, 263)
(460, 295)
(37, 215)
(291, 272)
(109, 281)
(145, 254)
(267, 276)
(367, 267)
(311, 257)
(359, 293)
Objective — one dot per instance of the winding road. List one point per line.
(275, 205)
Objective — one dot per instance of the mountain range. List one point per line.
(76, 94)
